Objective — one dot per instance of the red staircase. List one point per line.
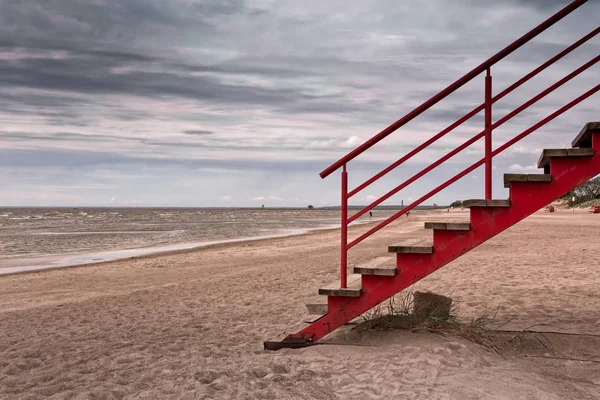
(563, 170)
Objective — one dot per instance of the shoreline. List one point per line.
(191, 324)
(54, 262)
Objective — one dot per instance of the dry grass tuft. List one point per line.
(407, 311)
(539, 337)
(479, 330)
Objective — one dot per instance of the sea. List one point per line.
(39, 238)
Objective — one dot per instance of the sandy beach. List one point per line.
(190, 325)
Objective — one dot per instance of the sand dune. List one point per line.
(191, 325)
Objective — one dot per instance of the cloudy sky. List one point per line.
(243, 103)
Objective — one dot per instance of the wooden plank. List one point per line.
(475, 203)
(353, 289)
(375, 271)
(544, 160)
(448, 226)
(317, 309)
(341, 292)
(584, 139)
(486, 203)
(508, 178)
(420, 246)
(547, 153)
(411, 249)
(380, 266)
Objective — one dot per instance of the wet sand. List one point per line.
(190, 325)
(20, 265)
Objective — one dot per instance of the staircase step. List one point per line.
(485, 223)
(486, 203)
(353, 289)
(544, 160)
(448, 226)
(380, 266)
(341, 292)
(508, 178)
(423, 246)
(317, 309)
(584, 139)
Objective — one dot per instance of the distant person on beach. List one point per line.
(370, 214)
(407, 214)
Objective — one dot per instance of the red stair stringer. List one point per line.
(526, 198)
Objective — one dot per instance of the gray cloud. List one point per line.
(198, 132)
(541, 5)
(545, 5)
(81, 24)
(87, 75)
(80, 159)
(276, 87)
(61, 136)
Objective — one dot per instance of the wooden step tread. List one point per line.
(419, 246)
(486, 203)
(341, 292)
(381, 266)
(584, 139)
(508, 178)
(544, 160)
(317, 308)
(448, 226)
(353, 289)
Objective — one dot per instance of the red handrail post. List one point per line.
(344, 226)
(488, 135)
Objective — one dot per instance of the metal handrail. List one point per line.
(479, 163)
(489, 126)
(474, 112)
(455, 86)
(481, 134)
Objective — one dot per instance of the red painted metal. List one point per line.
(488, 135)
(290, 342)
(344, 230)
(417, 176)
(495, 125)
(547, 91)
(476, 165)
(548, 63)
(549, 118)
(526, 197)
(414, 204)
(455, 86)
(475, 111)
